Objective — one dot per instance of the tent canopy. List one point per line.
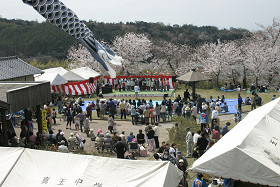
(46, 168)
(71, 76)
(85, 72)
(193, 76)
(59, 70)
(250, 152)
(54, 78)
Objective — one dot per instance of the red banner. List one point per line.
(77, 88)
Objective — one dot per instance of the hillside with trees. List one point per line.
(44, 42)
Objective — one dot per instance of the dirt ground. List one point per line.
(122, 125)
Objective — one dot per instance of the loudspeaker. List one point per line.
(174, 78)
(91, 80)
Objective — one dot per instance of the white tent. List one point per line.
(8, 158)
(250, 152)
(46, 168)
(59, 70)
(54, 78)
(85, 72)
(71, 76)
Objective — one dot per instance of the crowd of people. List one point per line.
(151, 84)
(205, 112)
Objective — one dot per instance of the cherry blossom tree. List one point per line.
(135, 49)
(79, 56)
(261, 58)
(218, 58)
(177, 56)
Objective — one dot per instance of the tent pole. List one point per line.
(39, 119)
(193, 91)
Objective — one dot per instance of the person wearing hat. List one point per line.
(198, 182)
(181, 166)
(62, 138)
(180, 157)
(62, 148)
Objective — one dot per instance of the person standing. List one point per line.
(198, 182)
(156, 130)
(253, 101)
(189, 141)
(214, 117)
(116, 83)
(133, 115)
(68, 117)
(163, 111)
(187, 95)
(97, 108)
(102, 107)
(112, 108)
(81, 116)
(157, 109)
(120, 148)
(146, 114)
(151, 135)
(169, 109)
(136, 90)
(111, 124)
(123, 109)
(54, 116)
(194, 112)
(239, 101)
(89, 111)
(152, 115)
(128, 84)
(203, 119)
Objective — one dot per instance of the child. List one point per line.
(235, 119)
(54, 116)
(77, 123)
(239, 115)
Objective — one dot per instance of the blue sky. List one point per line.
(220, 13)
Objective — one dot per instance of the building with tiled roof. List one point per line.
(15, 69)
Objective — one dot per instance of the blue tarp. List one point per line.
(232, 105)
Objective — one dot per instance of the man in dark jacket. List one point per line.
(202, 144)
(120, 148)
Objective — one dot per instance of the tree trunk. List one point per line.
(233, 77)
(217, 80)
(257, 82)
(171, 67)
(244, 78)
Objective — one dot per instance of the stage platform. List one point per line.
(140, 94)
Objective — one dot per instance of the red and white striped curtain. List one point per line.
(109, 80)
(77, 88)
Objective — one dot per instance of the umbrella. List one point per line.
(193, 77)
(250, 152)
